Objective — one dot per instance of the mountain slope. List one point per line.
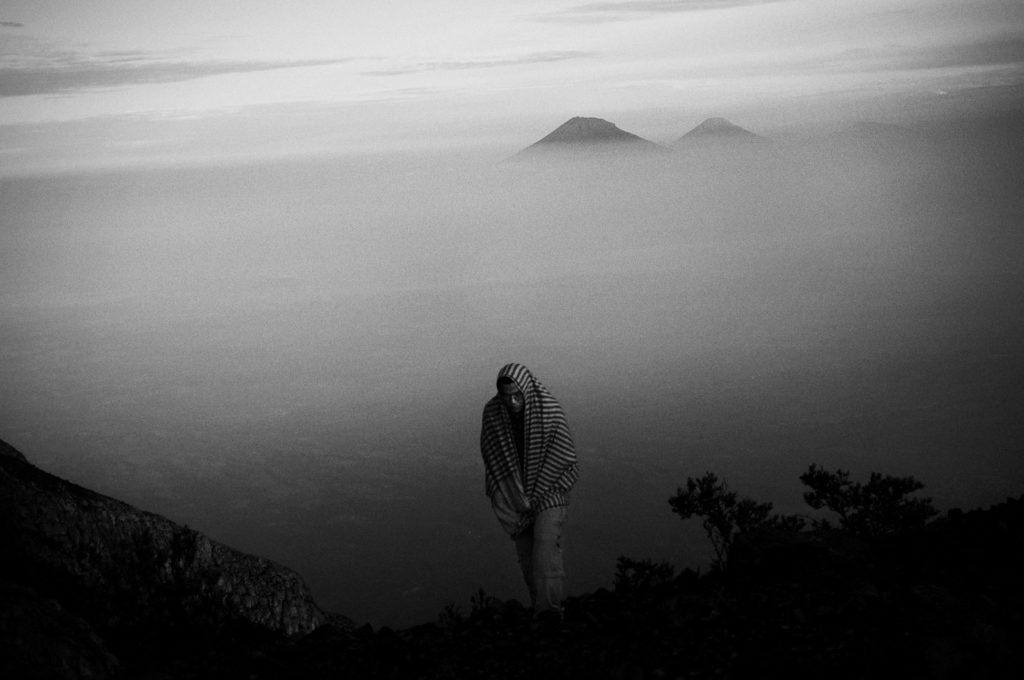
(581, 135)
(718, 130)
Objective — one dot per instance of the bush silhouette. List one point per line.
(632, 575)
(726, 515)
(874, 509)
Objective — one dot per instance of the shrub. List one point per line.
(483, 605)
(874, 509)
(726, 515)
(450, 616)
(631, 575)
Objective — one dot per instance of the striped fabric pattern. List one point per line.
(551, 469)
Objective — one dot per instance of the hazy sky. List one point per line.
(116, 80)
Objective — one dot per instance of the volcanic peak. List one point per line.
(714, 129)
(583, 133)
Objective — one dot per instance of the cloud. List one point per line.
(993, 51)
(466, 64)
(11, 24)
(58, 72)
(632, 10)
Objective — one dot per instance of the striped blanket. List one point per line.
(551, 470)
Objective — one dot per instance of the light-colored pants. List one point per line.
(540, 557)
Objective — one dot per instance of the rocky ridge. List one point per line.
(76, 559)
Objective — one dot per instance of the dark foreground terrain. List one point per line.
(93, 588)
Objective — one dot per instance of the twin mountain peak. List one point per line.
(594, 133)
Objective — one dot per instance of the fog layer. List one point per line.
(293, 358)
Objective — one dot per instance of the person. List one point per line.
(529, 469)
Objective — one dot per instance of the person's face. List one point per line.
(512, 398)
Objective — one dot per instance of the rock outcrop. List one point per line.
(76, 560)
(11, 452)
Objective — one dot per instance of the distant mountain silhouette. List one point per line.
(580, 135)
(718, 130)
